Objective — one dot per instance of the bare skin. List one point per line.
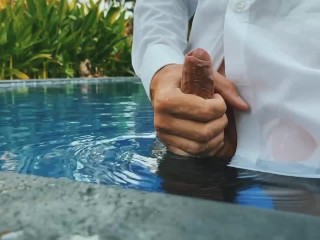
(197, 75)
(186, 123)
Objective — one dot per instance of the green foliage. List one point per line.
(49, 38)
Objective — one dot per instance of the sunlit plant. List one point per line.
(50, 38)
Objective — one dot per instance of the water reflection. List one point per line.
(197, 177)
(207, 178)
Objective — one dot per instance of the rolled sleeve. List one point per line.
(156, 57)
(160, 35)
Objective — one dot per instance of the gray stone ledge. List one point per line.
(63, 81)
(43, 208)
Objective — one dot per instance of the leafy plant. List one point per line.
(49, 38)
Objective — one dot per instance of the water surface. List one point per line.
(101, 131)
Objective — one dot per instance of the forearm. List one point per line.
(160, 35)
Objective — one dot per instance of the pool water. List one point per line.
(101, 131)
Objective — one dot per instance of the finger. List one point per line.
(192, 130)
(177, 151)
(183, 153)
(229, 92)
(215, 151)
(191, 147)
(189, 106)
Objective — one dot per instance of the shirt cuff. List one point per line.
(156, 57)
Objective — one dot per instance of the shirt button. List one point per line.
(240, 6)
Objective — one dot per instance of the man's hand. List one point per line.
(228, 90)
(188, 124)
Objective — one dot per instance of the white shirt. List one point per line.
(272, 53)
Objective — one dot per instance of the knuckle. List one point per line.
(196, 148)
(220, 138)
(229, 86)
(205, 134)
(159, 122)
(207, 112)
(216, 142)
(223, 106)
(214, 109)
(225, 120)
(162, 103)
(212, 129)
(157, 105)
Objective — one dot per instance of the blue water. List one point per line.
(101, 131)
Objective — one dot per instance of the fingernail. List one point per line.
(244, 105)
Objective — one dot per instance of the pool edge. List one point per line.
(45, 208)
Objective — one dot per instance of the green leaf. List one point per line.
(19, 74)
(32, 7)
(41, 55)
(69, 71)
(3, 37)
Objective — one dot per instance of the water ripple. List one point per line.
(116, 161)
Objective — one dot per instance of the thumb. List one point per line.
(229, 92)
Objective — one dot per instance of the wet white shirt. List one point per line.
(272, 53)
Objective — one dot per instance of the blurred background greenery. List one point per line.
(65, 38)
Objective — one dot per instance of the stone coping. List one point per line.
(61, 81)
(42, 208)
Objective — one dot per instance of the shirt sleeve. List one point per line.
(160, 35)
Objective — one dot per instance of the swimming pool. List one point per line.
(101, 131)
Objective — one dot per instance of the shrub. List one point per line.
(50, 38)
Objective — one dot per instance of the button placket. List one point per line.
(240, 6)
